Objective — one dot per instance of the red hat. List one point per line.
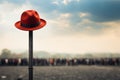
(30, 20)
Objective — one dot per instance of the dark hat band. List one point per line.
(30, 25)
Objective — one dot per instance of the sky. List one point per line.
(73, 26)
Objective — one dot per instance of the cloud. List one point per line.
(61, 24)
(100, 10)
(14, 1)
(65, 2)
(69, 23)
(112, 27)
(46, 6)
(56, 2)
(82, 14)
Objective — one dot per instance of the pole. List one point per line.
(30, 55)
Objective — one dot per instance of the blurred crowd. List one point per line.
(60, 61)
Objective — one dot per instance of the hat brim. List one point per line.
(42, 24)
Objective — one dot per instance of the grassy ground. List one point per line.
(62, 73)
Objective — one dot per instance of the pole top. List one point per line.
(30, 20)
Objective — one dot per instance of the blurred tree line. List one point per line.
(6, 53)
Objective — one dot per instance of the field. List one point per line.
(62, 72)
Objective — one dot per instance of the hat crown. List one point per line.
(30, 17)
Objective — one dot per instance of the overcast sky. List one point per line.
(73, 26)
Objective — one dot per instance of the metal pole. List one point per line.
(30, 55)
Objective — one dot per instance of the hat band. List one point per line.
(30, 25)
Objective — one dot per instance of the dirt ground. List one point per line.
(61, 72)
